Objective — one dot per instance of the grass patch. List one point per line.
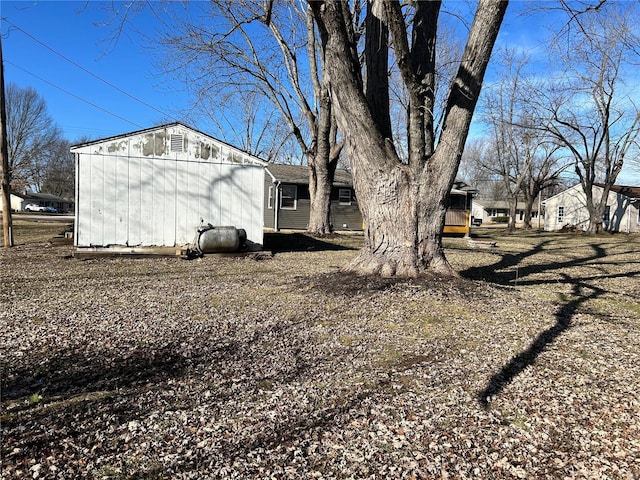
(25, 231)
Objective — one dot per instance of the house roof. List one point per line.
(497, 204)
(626, 190)
(299, 174)
(35, 196)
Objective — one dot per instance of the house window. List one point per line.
(605, 215)
(493, 212)
(289, 197)
(344, 195)
(270, 199)
(176, 141)
(560, 214)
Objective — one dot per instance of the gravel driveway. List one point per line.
(528, 366)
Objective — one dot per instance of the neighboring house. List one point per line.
(488, 211)
(20, 200)
(287, 199)
(568, 209)
(155, 187)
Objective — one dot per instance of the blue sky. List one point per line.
(37, 34)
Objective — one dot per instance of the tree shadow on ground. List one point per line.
(302, 242)
(74, 371)
(582, 292)
(126, 388)
(509, 271)
(66, 374)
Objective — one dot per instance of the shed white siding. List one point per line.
(135, 191)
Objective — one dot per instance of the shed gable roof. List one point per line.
(156, 139)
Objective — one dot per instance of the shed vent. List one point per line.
(177, 142)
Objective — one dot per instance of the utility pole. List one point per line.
(7, 223)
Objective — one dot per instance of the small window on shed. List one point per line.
(344, 195)
(177, 142)
(560, 214)
(606, 214)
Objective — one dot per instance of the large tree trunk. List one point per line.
(403, 206)
(595, 209)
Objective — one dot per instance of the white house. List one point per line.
(568, 208)
(19, 201)
(155, 187)
(486, 212)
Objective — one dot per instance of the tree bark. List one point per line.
(403, 206)
(321, 175)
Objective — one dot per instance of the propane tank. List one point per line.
(210, 239)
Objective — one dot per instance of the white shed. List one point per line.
(569, 208)
(155, 187)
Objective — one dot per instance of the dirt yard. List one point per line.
(528, 366)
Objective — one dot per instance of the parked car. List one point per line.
(51, 209)
(32, 207)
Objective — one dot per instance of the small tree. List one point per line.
(512, 142)
(58, 175)
(542, 173)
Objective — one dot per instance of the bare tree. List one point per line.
(513, 143)
(470, 169)
(58, 176)
(31, 135)
(542, 173)
(588, 110)
(269, 49)
(254, 125)
(403, 204)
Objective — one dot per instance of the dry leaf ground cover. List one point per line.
(133, 368)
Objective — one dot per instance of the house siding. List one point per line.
(342, 216)
(346, 217)
(298, 219)
(623, 211)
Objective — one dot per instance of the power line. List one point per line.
(74, 95)
(84, 69)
